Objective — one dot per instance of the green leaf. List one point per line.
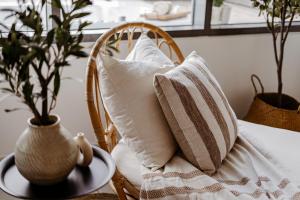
(63, 63)
(83, 25)
(50, 37)
(113, 48)
(23, 74)
(12, 110)
(113, 40)
(28, 22)
(56, 19)
(27, 91)
(80, 15)
(80, 38)
(109, 52)
(44, 2)
(81, 4)
(218, 3)
(81, 54)
(56, 3)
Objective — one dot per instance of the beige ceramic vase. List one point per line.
(46, 155)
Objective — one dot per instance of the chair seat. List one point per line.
(128, 164)
(265, 139)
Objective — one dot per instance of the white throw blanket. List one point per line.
(245, 174)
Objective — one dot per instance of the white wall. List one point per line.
(231, 58)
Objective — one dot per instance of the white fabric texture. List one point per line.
(265, 139)
(129, 98)
(258, 167)
(146, 50)
(198, 113)
(280, 146)
(128, 164)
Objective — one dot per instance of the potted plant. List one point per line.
(218, 3)
(276, 109)
(31, 66)
(220, 12)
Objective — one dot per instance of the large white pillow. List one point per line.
(130, 100)
(146, 50)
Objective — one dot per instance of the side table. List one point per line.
(80, 182)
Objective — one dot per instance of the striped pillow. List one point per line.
(198, 113)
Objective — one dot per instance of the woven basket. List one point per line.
(262, 112)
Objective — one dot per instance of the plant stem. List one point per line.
(45, 117)
(273, 30)
(280, 85)
(35, 112)
(281, 54)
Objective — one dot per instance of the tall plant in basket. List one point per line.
(31, 66)
(276, 109)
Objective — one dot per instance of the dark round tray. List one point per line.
(81, 181)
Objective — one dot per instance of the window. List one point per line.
(105, 14)
(180, 17)
(236, 13)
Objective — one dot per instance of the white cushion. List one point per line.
(128, 164)
(146, 50)
(129, 98)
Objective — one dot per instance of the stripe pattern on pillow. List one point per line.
(198, 113)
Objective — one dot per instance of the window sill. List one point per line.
(194, 31)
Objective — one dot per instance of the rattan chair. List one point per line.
(104, 129)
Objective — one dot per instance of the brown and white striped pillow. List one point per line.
(198, 113)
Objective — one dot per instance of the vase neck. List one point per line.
(55, 125)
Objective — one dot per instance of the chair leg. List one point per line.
(118, 184)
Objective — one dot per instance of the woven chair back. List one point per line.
(104, 129)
